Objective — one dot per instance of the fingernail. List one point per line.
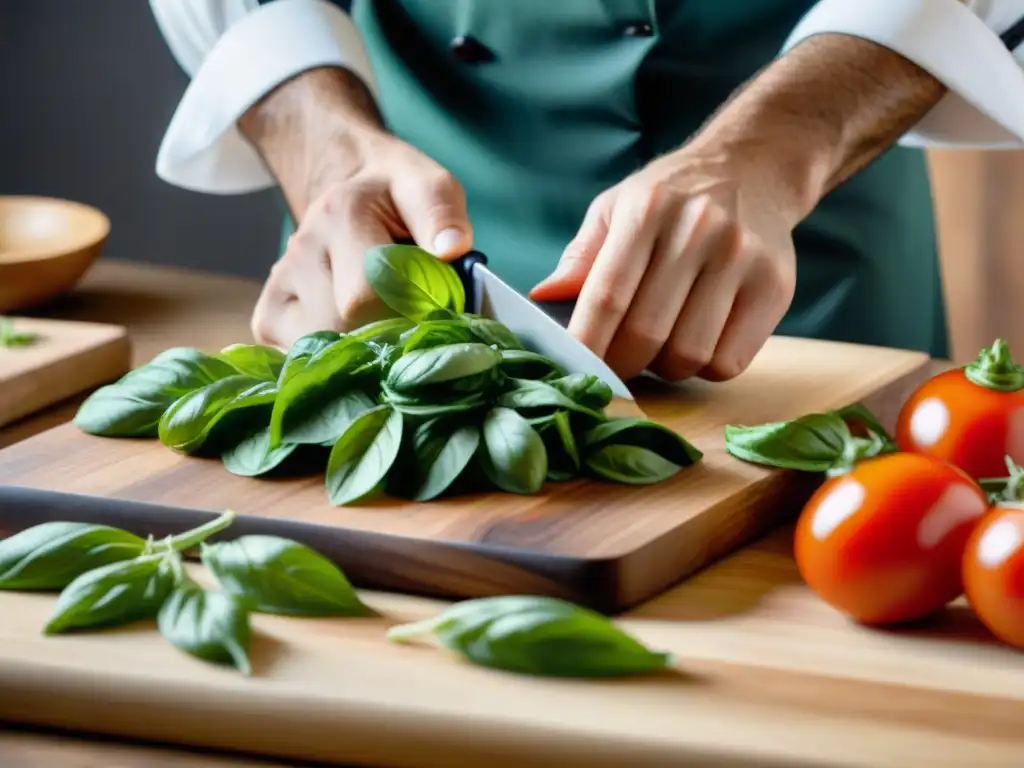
(447, 240)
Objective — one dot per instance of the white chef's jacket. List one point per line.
(237, 50)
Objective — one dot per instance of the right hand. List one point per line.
(392, 192)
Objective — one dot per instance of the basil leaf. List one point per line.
(560, 445)
(521, 364)
(51, 555)
(252, 455)
(275, 575)
(491, 332)
(302, 351)
(532, 396)
(414, 407)
(11, 338)
(630, 464)
(301, 422)
(539, 636)
(413, 283)
(133, 405)
(383, 332)
(209, 624)
(513, 455)
(363, 455)
(254, 360)
(114, 594)
(812, 443)
(437, 333)
(584, 389)
(424, 369)
(641, 433)
(441, 450)
(858, 412)
(185, 426)
(306, 408)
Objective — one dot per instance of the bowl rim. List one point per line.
(20, 257)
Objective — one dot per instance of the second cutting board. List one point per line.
(604, 545)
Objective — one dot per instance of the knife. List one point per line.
(489, 296)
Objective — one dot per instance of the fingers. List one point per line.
(678, 256)
(617, 271)
(695, 334)
(757, 311)
(432, 206)
(565, 283)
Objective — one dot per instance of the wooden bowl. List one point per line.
(46, 245)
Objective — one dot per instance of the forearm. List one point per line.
(820, 113)
(311, 129)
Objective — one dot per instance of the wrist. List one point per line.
(313, 130)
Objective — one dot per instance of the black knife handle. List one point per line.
(464, 267)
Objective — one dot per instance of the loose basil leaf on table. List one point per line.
(310, 405)
(512, 455)
(185, 426)
(51, 555)
(439, 451)
(364, 453)
(463, 367)
(522, 364)
(211, 625)
(858, 412)
(133, 405)
(413, 283)
(252, 455)
(812, 443)
(539, 636)
(114, 594)
(270, 574)
(254, 360)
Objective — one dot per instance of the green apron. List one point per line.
(543, 104)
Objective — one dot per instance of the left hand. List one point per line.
(684, 268)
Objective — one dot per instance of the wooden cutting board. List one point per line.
(768, 676)
(608, 546)
(68, 358)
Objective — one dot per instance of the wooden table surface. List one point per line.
(162, 308)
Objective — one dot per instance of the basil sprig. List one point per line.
(379, 404)
(541, 636)
(815, 442)
(108, 577)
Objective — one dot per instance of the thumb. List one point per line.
(566, 282)
(433, 208)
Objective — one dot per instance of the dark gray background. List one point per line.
(87, 88)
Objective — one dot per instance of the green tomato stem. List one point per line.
(995, 369)
(1003, 489)
(190, 539)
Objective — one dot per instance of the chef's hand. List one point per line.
(683, 269)
(389, 191)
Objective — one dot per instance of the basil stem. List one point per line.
(193, 538)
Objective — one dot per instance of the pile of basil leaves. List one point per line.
(415, 405)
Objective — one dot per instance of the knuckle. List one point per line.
(642, 334)
(685, 359)
(606, 299)
(348, 199)
(725, 368)
(441, 183)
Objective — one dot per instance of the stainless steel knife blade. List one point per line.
(539, 332)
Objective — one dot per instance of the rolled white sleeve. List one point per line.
(958, 44)
(236, 51)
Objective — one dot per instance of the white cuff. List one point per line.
(958, 44)
(238, 51)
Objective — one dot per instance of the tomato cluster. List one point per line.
(896, 536)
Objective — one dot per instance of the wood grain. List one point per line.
(609, 546)
(767, 675)
(68, 358)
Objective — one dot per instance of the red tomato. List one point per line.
(993, 573)
(973, 425)
(884, 542)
